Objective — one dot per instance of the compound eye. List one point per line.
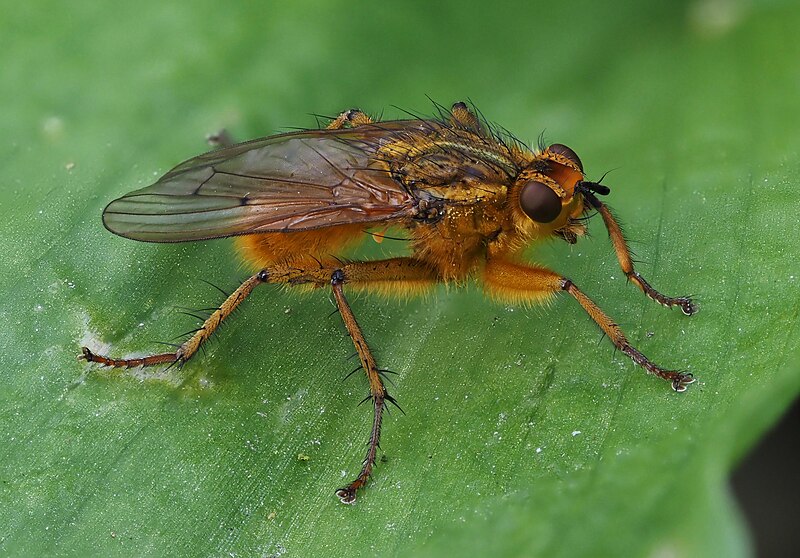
(539, 202)
(565, 151)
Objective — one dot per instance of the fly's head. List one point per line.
(552, 193)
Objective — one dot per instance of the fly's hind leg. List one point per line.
(190, 347)
(290, 274)
(351, 118)
(520, 282)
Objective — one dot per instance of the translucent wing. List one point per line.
(289, 182)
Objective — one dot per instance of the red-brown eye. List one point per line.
(539, 202)
(565, 151)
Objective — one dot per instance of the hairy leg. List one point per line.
(461, 116)
(529, 283)
(623, 253)
(191, 345)
(402, 273)
(352, 118)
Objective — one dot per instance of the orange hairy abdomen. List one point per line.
(261, 250)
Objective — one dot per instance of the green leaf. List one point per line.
(524, 433)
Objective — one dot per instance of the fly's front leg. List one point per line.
(685, 303)
(520, 282)
(351, 118)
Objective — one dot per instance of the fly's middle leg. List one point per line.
(377, 391)
(393, 271)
